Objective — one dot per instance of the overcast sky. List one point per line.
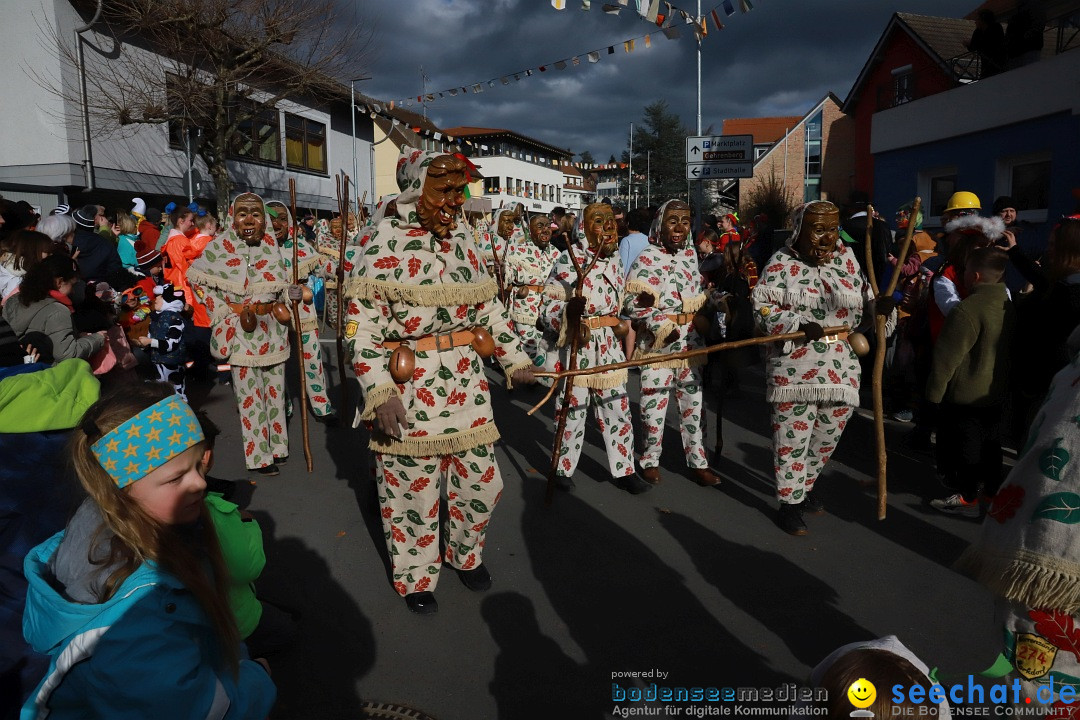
(778, 59)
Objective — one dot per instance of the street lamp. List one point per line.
(648, 178)
(352, 112)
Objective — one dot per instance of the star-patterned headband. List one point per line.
(148, 440)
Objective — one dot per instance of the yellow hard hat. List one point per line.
(963, 200)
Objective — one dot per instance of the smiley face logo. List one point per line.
(862, 693)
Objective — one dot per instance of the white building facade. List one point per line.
(43, 150)
(517, 168)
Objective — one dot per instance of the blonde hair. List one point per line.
(127, 225)
(134, 537)
(204, 221)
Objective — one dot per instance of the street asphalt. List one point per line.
(694, 585)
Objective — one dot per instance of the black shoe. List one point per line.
(269, 470)
(566, 484)
(812, 505)
(422, 603)
(281, 460)
(329, 420)
(790, 519)
(632, 484)
(478, 579)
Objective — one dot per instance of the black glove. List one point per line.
(883, 305)
(812, 330)
(646, 300)
(575, 308)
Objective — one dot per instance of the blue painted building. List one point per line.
(1015, 134)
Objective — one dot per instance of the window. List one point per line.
(902, 88)
(509, 185)
(942, 188)
(258, 138)
(305, 144)
(1026, 179)
(491, 186)
(1030, 186)
(812, 182)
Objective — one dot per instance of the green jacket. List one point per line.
(242, 548)
(51, 399)
(972, 353)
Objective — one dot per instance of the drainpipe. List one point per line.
(88, 162)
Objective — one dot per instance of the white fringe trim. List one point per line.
(812, 393)
(435, 295)
(1025, 577)
(780, 296)
(447, 444)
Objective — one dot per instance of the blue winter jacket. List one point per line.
(148, 652)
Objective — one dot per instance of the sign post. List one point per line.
(715, 157)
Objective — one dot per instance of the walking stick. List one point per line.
(879, 350)
(296, 327)
(342, 183)
(840, 331)
(575, 344)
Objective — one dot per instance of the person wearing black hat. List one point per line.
(853, 234)
(98, 259)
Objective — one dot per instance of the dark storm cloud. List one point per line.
(778, 59)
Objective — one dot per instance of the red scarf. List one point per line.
(62, 299)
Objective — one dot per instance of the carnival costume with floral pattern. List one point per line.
(230, 273)
(527, 269)
(309, 262)
(674, 281)
(404, 284)
(812, 386)
(603, 291)
(1029, 550)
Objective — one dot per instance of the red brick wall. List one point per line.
(837, 159)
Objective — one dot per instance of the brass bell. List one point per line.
(248, 321)
(523, 291)
(622, 329)
(307, 295)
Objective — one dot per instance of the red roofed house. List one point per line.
(915, 57)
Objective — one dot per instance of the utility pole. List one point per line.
(630, 172)
(700, 183)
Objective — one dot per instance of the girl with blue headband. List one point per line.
(130, 599)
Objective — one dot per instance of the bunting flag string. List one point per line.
(647, 9)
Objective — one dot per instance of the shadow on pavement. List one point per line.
(792, 603)
(318, 676)
(624, 606)
(531, 670)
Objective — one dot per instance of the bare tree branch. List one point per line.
(211, 65)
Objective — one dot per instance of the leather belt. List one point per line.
(682, 318)
(439, 341)
(534, 288)
(258, 308)
(596, 322)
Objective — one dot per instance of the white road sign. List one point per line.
(719, 148)
(719, 170)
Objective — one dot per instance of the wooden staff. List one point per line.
(296, 325)
(342, 183)
(363, 199)
(879, 350)
(575, 344)
(571, 373)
